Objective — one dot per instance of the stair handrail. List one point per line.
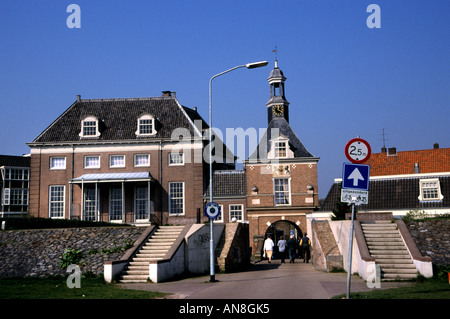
(361, 241)
(410, 243)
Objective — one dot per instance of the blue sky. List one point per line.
(343, 79)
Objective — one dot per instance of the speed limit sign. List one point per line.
(357, 150)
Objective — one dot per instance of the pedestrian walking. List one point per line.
(281, 248)
(292, 246)
(305, 243)
(268, 247)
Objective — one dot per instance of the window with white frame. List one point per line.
(90, 204)
(430, 190)
(176, 159)
(280, 148)
(176, 198)
(237, 212)
(282, 193)
(146, 125)
(56, 201)
(141, 203)
(115, 204)
(89, 127)
(141, 160)
(92, 162)
(58, 162)
(117, 161)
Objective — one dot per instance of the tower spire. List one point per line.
(277, 106)
(276, 56)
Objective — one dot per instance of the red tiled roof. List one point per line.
(435, 160)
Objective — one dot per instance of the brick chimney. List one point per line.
(168, 93)
(436, 145)
(392, 151)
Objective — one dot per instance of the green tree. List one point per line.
(340, 210)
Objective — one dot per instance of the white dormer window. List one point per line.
(146, 125)
(430, 190)
(280, 148)
(89, 127)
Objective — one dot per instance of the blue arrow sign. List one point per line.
(355, 176)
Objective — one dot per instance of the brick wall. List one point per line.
(325, 251)
(38, 252)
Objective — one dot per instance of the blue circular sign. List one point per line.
(212, 210)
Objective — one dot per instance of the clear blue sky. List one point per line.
(343, 79)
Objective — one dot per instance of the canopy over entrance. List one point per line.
(113, 178)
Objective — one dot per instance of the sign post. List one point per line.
(212, 211)
(355, 187)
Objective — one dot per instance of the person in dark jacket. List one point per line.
(305, 243)
(292, 247)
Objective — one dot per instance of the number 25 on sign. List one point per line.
(357, 150)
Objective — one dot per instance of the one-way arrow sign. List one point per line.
(355, 176)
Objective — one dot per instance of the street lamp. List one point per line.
(253, 65)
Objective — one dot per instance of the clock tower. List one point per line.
(277, 106)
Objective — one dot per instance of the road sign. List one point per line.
(355, 176)
(212, 210)
(357, 150)
(353, 196)
(355, 183)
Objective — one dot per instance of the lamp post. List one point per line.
(211, 240)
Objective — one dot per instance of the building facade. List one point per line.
(137, 161)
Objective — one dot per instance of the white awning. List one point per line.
(112, 177)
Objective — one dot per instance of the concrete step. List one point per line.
(389, 252)
(147, 260)
(151, 256)
(387, 277)
(135, 272)
(381, 261)
(382, 236)
(398, 266)
(154, 249)
(392, 256)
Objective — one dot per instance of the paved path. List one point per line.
(263, 281)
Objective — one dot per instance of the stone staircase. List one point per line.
(155, 248)
(387, 247)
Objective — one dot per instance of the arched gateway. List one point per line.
(283, 228)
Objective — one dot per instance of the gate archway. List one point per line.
(282, 228)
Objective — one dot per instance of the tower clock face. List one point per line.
(277, 110)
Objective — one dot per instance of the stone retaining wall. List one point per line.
(432, 237)
(38, 252)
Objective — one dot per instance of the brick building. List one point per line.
(400, 182)
(281, 174)
(137, 160)
(14, 185)
(140, 161)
